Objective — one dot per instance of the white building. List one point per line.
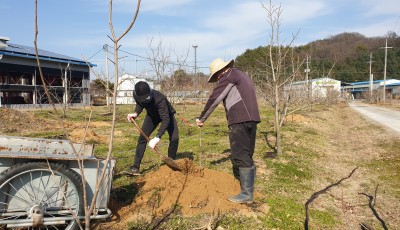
(318, 88)
(323, 87)
(126, 85)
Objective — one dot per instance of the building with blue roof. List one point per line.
(66, 78)
(361, 90)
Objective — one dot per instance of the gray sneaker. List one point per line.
(134, 171)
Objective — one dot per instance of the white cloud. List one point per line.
(235, 17)
(227, 27)
(295, 12)
(164, 7)
(245, 23)
(379, 28)
(229, 32)
(385, 7)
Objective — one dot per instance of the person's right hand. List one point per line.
(199, 123)
(131, 116)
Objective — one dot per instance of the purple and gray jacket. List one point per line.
(237, 92)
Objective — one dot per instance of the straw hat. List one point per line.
(217, 65)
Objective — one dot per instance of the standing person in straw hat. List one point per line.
(236, 90)
(159, 111)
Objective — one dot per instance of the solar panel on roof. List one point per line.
(18, 50)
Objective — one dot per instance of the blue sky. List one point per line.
(220, 28)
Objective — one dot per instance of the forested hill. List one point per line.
(349, 51)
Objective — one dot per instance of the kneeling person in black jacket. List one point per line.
(159, 110)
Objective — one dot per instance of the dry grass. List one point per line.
(344, 140)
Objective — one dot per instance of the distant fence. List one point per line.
(38, 106)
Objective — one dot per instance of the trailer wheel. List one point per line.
(38, 195)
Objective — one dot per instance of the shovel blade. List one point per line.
(171, 163)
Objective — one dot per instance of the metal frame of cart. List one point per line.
(41, 183)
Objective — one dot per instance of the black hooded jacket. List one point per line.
(159, 109)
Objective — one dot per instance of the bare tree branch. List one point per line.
(115, 39)
(371, 205)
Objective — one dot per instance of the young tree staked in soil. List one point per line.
(276, 73)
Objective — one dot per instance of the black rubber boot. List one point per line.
(235, 170)
(247, 177)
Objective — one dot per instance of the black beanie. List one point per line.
(142, 88)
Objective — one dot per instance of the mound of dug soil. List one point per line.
(194, 191)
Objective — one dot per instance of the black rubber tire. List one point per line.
(26, 174)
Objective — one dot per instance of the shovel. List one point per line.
(169, 161)
(184, 120)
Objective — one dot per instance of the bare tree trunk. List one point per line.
(278, 144)
(80, 163)
(89, 210)
(279, 73)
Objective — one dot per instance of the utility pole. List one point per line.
(384, 71)
(195, 69)
(136, 66)
(107, 77)
(65, 99)
(307, 71)
(371, 77)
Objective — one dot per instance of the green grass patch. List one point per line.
(238, 222)
(388, 171)
(285, 213)
(322, 219)
(388, 167)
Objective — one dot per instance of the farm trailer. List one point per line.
(41, 183)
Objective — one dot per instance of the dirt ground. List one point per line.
(14, 121)
(195, 190)
(21, 122)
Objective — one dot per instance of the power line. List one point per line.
(136, 55)
(155, 60)
(95, 53)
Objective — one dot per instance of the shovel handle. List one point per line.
(169, 161)
(145, 136)
(184, 120)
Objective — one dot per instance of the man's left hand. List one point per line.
(153, 142)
